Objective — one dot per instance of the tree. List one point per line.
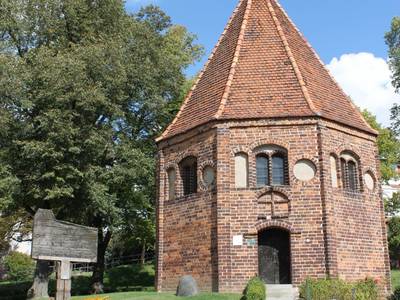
(388, 146)
(392, 205)
(84, 89)
(394, 238)
(393, 41)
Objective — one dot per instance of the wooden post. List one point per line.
(64, 270)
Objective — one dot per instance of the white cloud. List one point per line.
(367, 80)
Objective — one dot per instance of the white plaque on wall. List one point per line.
(238, 240)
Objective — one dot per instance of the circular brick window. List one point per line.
(369, 181)
(209, 177)
(304, 170)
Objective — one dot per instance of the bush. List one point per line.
(396, 294)
(125, 278)
(14, 291)
(255, 290)
(19, 266)
(327, 289)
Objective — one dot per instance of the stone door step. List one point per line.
(281, 292)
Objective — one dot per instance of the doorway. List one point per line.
(274, 256)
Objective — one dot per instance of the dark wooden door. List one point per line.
(274, 256)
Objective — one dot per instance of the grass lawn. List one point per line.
(395, 279)
(156, 296)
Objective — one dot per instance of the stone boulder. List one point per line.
(187, 287)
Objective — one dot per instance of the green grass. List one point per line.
(395, 279)
(156, 296)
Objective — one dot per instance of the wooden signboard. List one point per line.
(64, 243)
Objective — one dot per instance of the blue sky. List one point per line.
(347, 34)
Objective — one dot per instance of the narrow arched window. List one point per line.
(262, 166)
(349, 171)
(353, 175)
(189, 175)
(241, 170)
(334, 173)
(171, 183)
(278, 169)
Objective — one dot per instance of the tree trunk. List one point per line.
(98, 270)
(40, 285)
(143, 254)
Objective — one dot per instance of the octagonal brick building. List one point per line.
(268, 168)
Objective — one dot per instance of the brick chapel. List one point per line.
(268, 169)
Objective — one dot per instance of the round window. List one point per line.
(304, 170)
(209, 176)
(369, 181)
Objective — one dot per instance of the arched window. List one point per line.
(278, 169)
(171, 183)
(262, 166)
(352, 175)
(334, 173)
(349, 171)
(241, 170)
(271, 166)
(188, 170)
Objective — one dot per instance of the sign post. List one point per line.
(62, 242)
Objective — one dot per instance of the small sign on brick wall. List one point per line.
(238, 240)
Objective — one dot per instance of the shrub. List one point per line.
(126, 278)
(255, 290)
(396, 294)
(19, 266)
(14, 291)
(327, 289)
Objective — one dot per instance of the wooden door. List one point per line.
(274, 256)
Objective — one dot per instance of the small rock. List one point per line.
(187, 287)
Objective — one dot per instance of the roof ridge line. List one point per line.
(235, 61)
(166, 131)
(323, 65)
(289, 52)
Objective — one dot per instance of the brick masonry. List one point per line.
(265, 85)
(333, 232)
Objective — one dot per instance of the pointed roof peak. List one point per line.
(263, 67)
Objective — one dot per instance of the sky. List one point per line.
(347, 34)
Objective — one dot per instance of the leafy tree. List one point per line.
(388, 145)
(394, 238)
(84, 89)
(393, 41)
(14, 227)
(19, 266)
(392, 205)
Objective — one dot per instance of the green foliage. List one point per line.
(84, 89)
(19, 266)
(388, 146)
(255, 290)
(396, 294)
(327, 289)
(14, 291)
(394, 237)
(392, 205)
(393, 41)
(127, 278)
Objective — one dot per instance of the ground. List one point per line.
(155, 296)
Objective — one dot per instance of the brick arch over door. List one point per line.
(263, 225)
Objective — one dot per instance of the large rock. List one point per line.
(187, 287)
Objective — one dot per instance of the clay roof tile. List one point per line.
(262, 67)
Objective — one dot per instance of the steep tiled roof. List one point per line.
(262, 67)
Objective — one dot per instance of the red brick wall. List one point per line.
(186, 225)
(240, 208)
(359, 245)
(332, 232)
